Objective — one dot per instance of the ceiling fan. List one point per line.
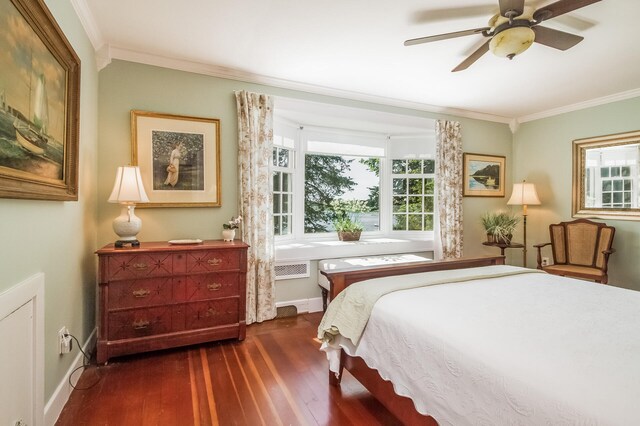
(514, 29)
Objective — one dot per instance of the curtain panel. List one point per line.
(255, 150)
(449, 188)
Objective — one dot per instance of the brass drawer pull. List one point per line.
(214, 262)
(214, 286)
(140, 325)
(140, 266)
(141, 293)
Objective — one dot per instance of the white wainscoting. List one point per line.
(22, 352)
(303, 305)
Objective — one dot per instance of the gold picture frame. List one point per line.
(483, 175)
(39, 105)
(179, 159)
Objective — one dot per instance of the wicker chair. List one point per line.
(580, 249)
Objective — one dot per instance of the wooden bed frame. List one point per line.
(401, 407)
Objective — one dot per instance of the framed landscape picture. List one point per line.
(39, 105)
(483, 175)
(179, 159)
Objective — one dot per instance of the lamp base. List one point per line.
(122, 243)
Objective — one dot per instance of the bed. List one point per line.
(488, 344)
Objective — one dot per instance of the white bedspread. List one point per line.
(531, 349)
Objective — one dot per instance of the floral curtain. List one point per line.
(449, 189)
(255, 146)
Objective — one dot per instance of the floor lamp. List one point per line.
(524, 194)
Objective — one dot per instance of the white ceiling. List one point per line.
(354, 48)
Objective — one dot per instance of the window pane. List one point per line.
(276, 225)
(286, 207)
(399, 186)
(399, 167)
(604, 172)
(428, 185)
(627, 197)
(428, 222)
(276, 203)
(617, 197)
(615, 171)
(606, 185)
(626, 171)
(429, 166)
(276, 181)
(414, 167)
(285, 182)
(415, 222)
(283, 157)
(415, 186)
(627, 185)
(428, 204)
(606, 198)
(617, 185)
(275, 156)
(415, 204)
(399, 204)
(285, 224)
(399, 222)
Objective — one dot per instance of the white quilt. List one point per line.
(532, 349)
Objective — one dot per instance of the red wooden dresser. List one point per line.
(160, 296)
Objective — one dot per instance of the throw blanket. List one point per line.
(348, 313)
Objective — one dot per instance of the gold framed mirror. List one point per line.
(606, 177)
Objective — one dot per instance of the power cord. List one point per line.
(86, 362)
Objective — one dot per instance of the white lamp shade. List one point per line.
(128, 186)
(524, 194)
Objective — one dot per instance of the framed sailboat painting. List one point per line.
(483, 175)
(39, 105)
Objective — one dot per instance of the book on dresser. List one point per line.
(162, 295)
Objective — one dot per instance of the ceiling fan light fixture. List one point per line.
(512, 41)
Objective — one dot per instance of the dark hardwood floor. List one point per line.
(277, 376)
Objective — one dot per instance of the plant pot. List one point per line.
(504, 240)
(491, 238)
(228, 234)
(349, 236)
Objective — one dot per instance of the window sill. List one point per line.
(288, 251)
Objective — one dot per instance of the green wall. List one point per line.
(58, 238)
(125, 86)
(542, 153)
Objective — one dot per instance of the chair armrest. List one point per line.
(612, 250)
(539, 246)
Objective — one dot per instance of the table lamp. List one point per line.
(524, 194)
(128, 190)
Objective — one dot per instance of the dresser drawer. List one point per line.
(140, 292)
(192, 288)
(210, 261)
(142, 322)
(128, 266)
(211, 313)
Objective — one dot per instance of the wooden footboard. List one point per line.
(402, 407)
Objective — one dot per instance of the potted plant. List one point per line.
(346, 223)
(229, 228)
(499, 226)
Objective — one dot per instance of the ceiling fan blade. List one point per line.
(472, 58)
(560, 8)
(555, 38)
(511, 8)
(446, 36)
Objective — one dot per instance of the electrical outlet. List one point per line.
(64, 341)
(545, 261)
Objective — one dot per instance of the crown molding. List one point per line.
(629, 94)
(234, 74)
(88, 23)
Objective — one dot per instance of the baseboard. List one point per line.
(303, 305)
(56, 403)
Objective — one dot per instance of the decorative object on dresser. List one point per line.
(159, 296)
(524, 194)
(128, 190)
(229, 228)
(179, 158)
(580, 249)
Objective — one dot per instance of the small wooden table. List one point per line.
(503, 246)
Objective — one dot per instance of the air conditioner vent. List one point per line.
(286, 271)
